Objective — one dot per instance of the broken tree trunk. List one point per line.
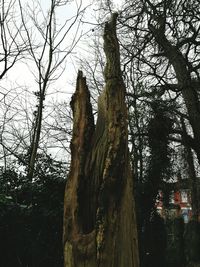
(99, 213)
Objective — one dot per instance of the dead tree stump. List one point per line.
(99, 213)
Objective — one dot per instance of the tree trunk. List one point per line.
(35, 137)
(193, 184)
(99, 213)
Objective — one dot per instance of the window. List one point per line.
(171, 197)
(185, 214)
(184, 196)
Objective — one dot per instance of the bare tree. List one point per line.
(164, 49)
(12, 49)
(12, 45)
(50, 55)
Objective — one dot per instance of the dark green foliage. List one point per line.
(158, 136)
(158, 170)
(159, 160)
(31, 216)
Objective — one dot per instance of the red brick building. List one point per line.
(179, 204)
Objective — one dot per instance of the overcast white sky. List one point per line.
(20, 81)
(21, 75)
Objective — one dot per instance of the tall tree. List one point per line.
(12, 46)
(164, 47)
(48, 56)
(38, 30)
(12, 49)
(99, 214)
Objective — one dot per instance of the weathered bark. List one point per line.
(99, 213)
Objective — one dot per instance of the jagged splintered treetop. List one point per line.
(111, 49)
(99, 213)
